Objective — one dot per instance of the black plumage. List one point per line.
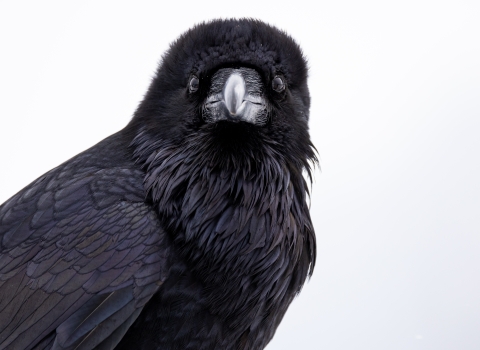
(189, 228)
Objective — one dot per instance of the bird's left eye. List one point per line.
(193, 84)
(278, 84)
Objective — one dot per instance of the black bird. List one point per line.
(189, 228)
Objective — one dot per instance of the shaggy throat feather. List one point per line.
(222, 215)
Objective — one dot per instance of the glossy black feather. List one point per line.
(176, 232)
(66, 249)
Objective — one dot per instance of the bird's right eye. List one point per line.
(278, 84)
(193, 85)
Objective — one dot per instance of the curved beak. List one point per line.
(236, 95)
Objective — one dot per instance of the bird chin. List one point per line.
(232, 132)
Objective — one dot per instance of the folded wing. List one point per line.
(80, 255)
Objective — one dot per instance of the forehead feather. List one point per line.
(210, 45)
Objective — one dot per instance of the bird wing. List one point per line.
(80, 255)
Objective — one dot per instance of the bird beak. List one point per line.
(236, 95)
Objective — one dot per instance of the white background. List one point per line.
(395, 117)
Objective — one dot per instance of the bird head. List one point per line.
(241, 83)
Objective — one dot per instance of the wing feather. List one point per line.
(80, 255)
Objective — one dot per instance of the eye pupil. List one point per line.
(193, 85)
(278, 84)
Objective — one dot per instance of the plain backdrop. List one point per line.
(395, 117)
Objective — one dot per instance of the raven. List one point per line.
(189, 228)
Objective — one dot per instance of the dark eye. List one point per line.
(193, 84)
(278, 84)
